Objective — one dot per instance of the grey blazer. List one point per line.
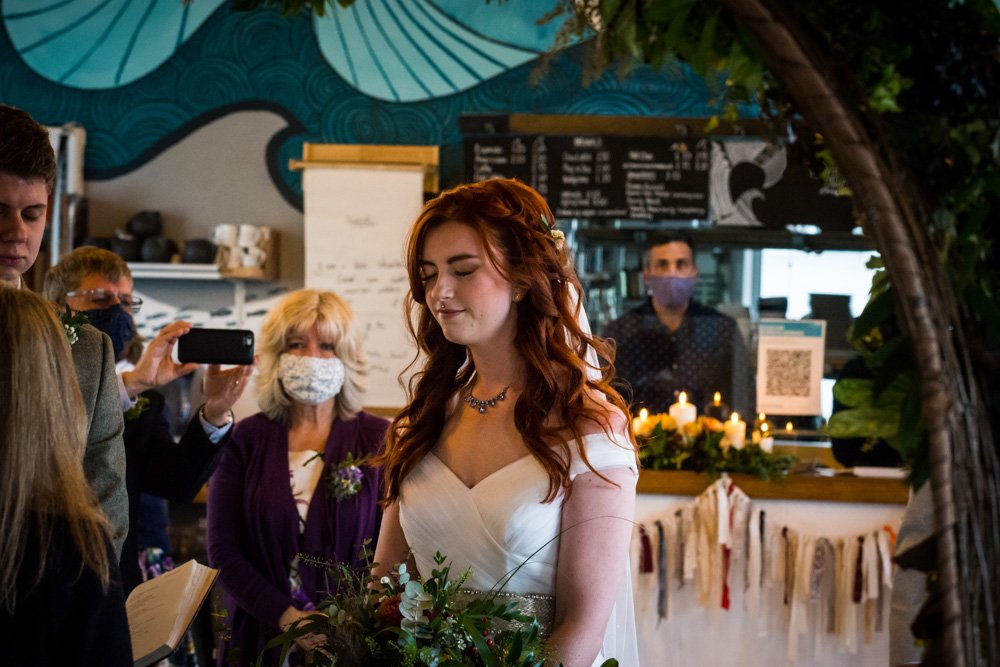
(104, 458)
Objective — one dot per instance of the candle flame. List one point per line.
(761, 416)
(788, 426)
(763, 428)
(735, 418)
(682, 398)
(717, 398)
(643, 414)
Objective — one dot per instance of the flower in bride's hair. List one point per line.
(558, 238)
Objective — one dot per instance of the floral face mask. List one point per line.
(311, 380)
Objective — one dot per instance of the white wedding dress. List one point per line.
(501, 525)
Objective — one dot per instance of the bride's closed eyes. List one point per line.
(463, 271)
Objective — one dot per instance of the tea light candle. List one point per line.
(766, 441)
(736, 431)
(682, 411)
(639, 423)
(716, 409)
(761, 420)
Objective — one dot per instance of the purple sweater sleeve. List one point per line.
(248, 586)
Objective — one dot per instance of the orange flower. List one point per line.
(388, 612)
(692, 429)
(711, 424)
(667, 423)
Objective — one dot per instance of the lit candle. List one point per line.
(682, 411)
(761, 420)
(716, 409)
(736, 431)
(639, 423)
(766, 441)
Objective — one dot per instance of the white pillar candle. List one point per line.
(682, 411)
(736, 431)
(639, 423)
(766, 441)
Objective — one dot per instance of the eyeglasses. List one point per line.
(99, 298)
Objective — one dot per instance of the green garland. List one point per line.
(701, 450)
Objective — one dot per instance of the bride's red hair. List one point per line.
(515, 226)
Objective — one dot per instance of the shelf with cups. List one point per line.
(254, 259)
(236, 265)
(179, 271)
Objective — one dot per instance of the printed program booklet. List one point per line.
(161, 610)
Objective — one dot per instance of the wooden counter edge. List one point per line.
(841, 489)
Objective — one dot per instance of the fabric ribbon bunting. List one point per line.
(834, 587)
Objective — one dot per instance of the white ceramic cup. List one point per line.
(248, 236)
(224, 235)
(252, 257)
(229, 257)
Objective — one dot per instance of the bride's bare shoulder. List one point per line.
(609, 417)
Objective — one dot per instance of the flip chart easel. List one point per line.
(360, 201)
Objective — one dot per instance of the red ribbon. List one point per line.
(646, 557)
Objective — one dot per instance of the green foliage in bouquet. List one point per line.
(699, 446)
(401, 620)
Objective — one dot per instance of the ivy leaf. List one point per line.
(866, 422)
(853, 392)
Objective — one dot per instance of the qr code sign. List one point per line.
(788, 372)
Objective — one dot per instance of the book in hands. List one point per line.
(161, 610)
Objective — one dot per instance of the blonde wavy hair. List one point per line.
(294, 315)
(43, 432)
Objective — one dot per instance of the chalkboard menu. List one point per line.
(601, 177)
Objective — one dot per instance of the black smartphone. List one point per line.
(216, 346)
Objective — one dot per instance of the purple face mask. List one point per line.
(671, 292)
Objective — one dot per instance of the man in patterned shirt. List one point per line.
(672, 343)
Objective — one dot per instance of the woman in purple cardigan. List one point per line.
(286, 484)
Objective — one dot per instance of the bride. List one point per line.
(513, 457)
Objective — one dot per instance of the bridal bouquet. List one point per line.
(400, 619)
(701, 446)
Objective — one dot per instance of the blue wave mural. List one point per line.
(141, 75)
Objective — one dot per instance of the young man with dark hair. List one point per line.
(27, 175)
